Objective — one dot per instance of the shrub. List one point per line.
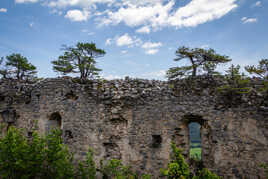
(177, 168)
(35, 157)
(87, 169)
(116, 170)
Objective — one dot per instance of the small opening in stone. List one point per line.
(68, 134)
(157, 140)
(30, 134)
(54, 122)
(195, 141)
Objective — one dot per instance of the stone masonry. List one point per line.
(135, 120)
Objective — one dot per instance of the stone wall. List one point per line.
(135, 121)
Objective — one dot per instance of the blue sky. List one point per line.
(139, 36)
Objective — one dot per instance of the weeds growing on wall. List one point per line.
(46, 157)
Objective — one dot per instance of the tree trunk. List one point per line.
(194, 71)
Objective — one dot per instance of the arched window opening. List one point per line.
(54, 122)
(195, 141)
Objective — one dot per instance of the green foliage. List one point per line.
(237, 85)
(87, 169)
(35, 157)
(177, 167)
(195, 153)
(261, 70)
(45, 157)
(146, 176)
(116, 170)
(206, 174)
(265, 167)
(79, 59)
(199, 58)
(18, 67)
(58, 160)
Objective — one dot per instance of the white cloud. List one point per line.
(158, 15)
(26, 1)
(144, 30)
(108, 41)
(77, 15)
(126, 40)
(257, 4)
(151, 51)
(124, 51)
(246, 20)
(150, 45)
(77, 3)
(151, 48)
(150, 14)
(3, 10)
(200, 11)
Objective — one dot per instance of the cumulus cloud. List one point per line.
(144, 30)
(4, 10)
(77, 15)
(150, 14)
(126, 40)
(26, 1)
(159, 14)
(151, 51)
(150, 45)
(151, 48)
(246, 20)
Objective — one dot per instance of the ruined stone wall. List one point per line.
(136, 120)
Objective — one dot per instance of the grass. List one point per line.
(195, 151)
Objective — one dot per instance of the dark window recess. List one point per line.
(54, 122)
(68, 134)
(30, 134)
(157, 140)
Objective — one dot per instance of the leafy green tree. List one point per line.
(206, 174)
(19, 67)
(238, 82)
(177, 167)
(79, 59)
(58, 160)
(198, 58)
(87, 169)
(34, 157)
(116, 170)
(261, 70)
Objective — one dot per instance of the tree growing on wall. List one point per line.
(18, 67)
(79, 59)
(199, 59)
(261, 70)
